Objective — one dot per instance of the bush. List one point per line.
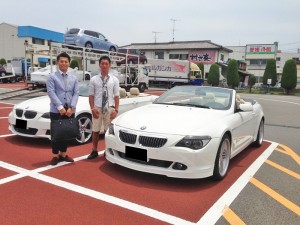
(289, 75)
(214, 75)
(2, 61)
(251, 82)
(74, 64)
(201, 67)
(233, 78)
(270, 72)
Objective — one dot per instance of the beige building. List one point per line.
(205, 52)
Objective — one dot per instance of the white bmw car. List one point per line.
(188, 132)
(31, 118)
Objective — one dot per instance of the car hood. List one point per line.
(42, 104)
(181, 120)
(39, 104)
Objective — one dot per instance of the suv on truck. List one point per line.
(133, 56)
(89, 39)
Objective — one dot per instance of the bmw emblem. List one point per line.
(143, 127)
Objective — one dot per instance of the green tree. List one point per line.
(2, 61)
(214, 75)
(251, 82)
(74, 63)
(201, 67)
(270, 72)
(233, 78)
(289, 75)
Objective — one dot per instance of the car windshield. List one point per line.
(83, 88)
(197, 96)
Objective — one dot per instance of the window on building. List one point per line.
(184, 56)
(278, 58)
(258, 62)
(173, 56)
(159, 55)
(179, 56)
(38, 41)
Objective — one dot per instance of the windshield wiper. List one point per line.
(199, 106)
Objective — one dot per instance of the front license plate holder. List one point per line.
(136, 153)
(21, 124)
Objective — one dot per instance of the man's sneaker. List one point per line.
(66, 158)
(93, 155)
(54, 161)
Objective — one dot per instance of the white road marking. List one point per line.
(6, 135)
(216, 211)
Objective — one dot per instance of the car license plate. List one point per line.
(21, 124)
(136, 153)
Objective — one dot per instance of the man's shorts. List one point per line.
(102, 123)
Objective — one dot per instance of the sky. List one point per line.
(226, 23)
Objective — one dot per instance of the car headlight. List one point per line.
(46, 115)
(194, 142)
(111, 129)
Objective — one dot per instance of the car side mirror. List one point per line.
(246, 107)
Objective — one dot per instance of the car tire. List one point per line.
(88, 45)
(260, 135)
(112, 49)
(2, 74)
(222, 159)
(87, 77)
(142, 87)
(85, 128)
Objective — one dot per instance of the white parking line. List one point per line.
(6, 135)
(216, 211)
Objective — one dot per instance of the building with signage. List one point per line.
(14, 40)
(256, 57)
(205, 52)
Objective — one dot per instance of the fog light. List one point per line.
(179, 166)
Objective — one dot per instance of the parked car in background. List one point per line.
(31, 118)
(132, 56)
(89, 39)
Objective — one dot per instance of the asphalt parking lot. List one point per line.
(262, 186)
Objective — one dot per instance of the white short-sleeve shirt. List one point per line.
(96, 88)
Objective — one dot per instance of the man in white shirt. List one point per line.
(104, 100)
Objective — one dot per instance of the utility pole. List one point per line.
(173, 30)
(155, 33)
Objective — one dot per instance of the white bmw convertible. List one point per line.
(31, 118)
(188, 132)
